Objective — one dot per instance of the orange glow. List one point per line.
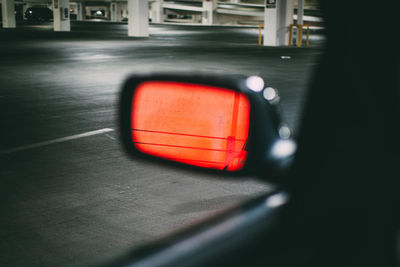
(199, 125)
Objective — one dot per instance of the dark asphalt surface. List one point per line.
(73, 200)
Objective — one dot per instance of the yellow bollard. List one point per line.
(290, 34)
(259, 33)
(299, 34)
(308, 36)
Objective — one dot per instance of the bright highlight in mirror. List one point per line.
(198, 125)
(277, 200)
(284, 148)
(255, 83)
(285, 132)
(269, 93)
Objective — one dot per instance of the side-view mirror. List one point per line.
(209, 122)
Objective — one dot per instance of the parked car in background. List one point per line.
(39, 14)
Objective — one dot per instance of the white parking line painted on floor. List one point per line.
(55, 141)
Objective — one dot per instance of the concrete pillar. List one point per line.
(157, 11)
(278, 16)
(113, 12)
(107, 12)
(7, 12)
(80, 14)
(209, 7)
(120, 8)
(61, 16)
(300, 12)
(84, 10)
(125, 12)
(138, 18)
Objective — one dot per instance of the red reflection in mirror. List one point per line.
(195, 124)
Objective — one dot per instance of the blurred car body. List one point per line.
(39, 14)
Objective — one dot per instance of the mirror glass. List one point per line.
(195, 124)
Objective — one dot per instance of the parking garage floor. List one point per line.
(69, 195)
